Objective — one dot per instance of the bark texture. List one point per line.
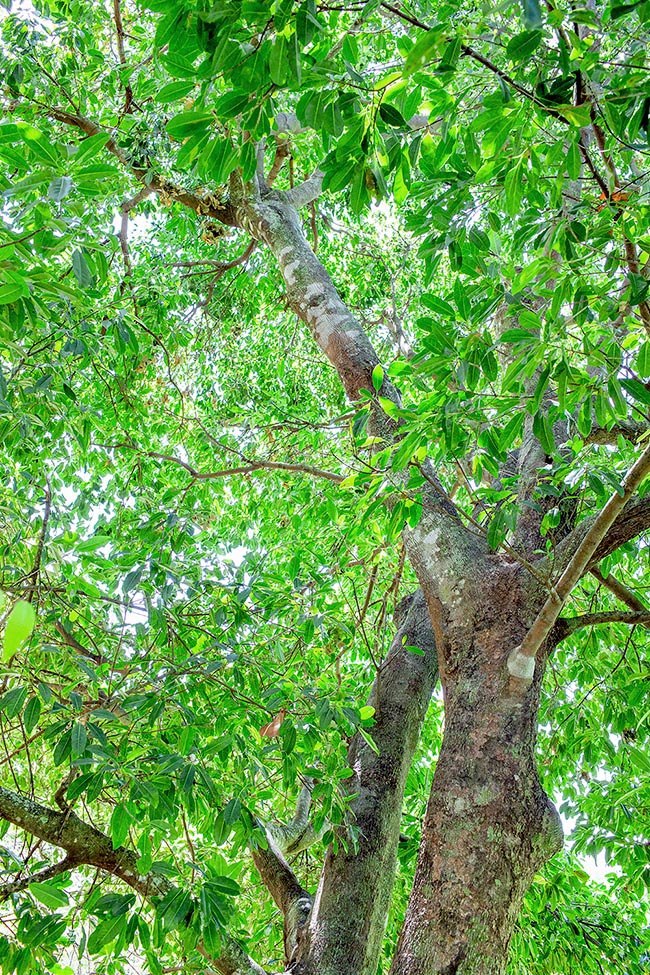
(351, 906)
(489, 825)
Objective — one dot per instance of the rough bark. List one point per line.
(489, 825)
(347, 925)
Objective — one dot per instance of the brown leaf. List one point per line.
(272, 729)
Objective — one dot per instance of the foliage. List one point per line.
(194, 510)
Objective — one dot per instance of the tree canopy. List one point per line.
(212, 492)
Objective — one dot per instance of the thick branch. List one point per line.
(86, 845)
(307, 192)
(291, 897)
(521, 662)
(205, 204)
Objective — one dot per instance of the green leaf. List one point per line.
(32, 714)
(391, 116)
(377, 377)
(120, 823)
(18, 628)
(425, 49)
(78, 739)
(278, 63)
(577, 115)
(81, 270)
(59, 188)
(637, 390)
(189, 123)
(523, 45)
(532, 14)
(49, 895)
(173, 91)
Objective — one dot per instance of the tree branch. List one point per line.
(252, 467)
(68, 863)
(364, 864)
(620, 590)
(565, 626)
(86, 845)
(521, 662)
(36, 568)
(291, 897)
(304, 193)
(207, 204)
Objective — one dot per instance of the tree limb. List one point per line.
(565, 626)
(204, 204)
(364, 864)
(252, 467)
(304, 193)
(521, 662)
(86, 845)
(291, 897)
(620, 590)
(68, 863)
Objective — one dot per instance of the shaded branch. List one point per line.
(68, 863)
(564, 627)
(207, 205)
(86, 845)
(634, 520)
(620, 590)
(290, 896)
(365, 862)
(36, 567)
(521, 662)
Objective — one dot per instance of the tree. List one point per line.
(312, 313)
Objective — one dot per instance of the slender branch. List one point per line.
(86, 845)
(125, 209)
(68, 863)
(521, 662)
(252, 467)
(119, 30)
(36, 568)
(569, 625)
(620, 590)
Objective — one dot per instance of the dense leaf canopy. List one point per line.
(198, 516)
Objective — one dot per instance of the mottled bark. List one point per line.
(489, 826)
(346, 929)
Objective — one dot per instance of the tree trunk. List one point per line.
(489, 826)
(346, 929)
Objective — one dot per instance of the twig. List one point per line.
(68, 863)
